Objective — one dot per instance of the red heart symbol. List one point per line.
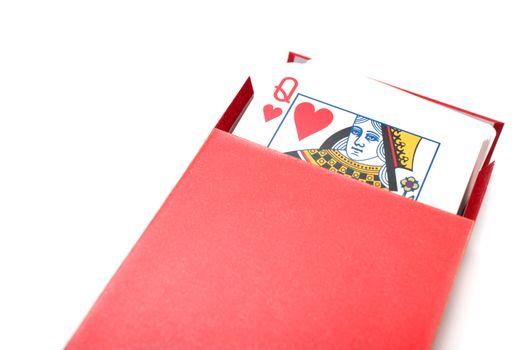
(271, 113)
(308, 121)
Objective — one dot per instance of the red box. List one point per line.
(256, 249)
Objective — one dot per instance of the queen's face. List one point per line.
(363, 142)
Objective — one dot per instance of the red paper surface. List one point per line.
(479, 190)
(255, 249)
(297, 58)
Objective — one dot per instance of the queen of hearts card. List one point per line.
(364, 149)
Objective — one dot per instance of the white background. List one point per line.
(103, 104)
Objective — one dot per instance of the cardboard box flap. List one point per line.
(254, 249)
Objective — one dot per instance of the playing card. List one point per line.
(357, 146)
(367, 131)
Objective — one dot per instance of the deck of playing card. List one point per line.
(369, 131)
(256, 249)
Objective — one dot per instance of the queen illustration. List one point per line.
(368, 151)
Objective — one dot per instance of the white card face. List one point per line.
(367, 131)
